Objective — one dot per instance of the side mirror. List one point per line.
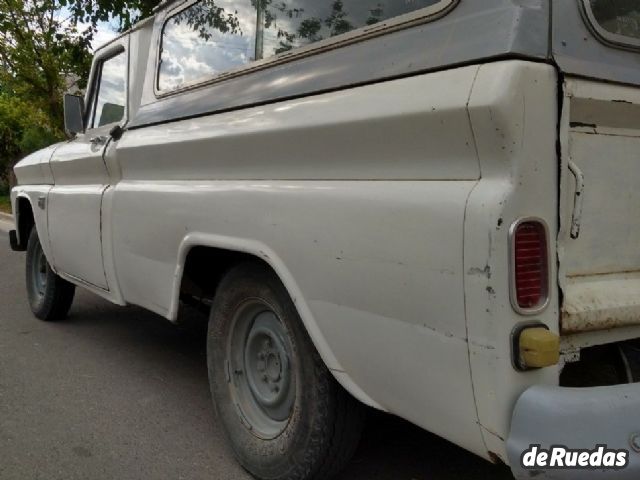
(73, 114)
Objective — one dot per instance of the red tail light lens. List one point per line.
(530, 265)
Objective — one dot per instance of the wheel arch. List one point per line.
(231, 251)
(29, 214)
(24, 219)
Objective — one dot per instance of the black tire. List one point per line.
(323, 425)
(630, 352)
(50, 297)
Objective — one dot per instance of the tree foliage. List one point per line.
(45, 48)
(40, 52)
(126, 12)
(24, 128)
(43, 51)
(206, 16)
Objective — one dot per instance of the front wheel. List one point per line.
(50, 296)
(285, 415)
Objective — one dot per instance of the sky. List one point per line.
(106, 31)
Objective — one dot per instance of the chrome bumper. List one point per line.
(577, 418)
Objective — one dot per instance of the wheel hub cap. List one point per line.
(39, 272)
(260, 357)
(267, 365)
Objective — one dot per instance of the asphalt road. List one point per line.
(120, 393)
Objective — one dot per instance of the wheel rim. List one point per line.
(259, 357)
(39, 272)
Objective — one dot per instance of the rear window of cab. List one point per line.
(207, 39)
(615, 21)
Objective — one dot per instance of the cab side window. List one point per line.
(111, 95)
(206, 39)
(211, 37)
(288, 24)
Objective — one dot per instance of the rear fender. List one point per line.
(264, 253)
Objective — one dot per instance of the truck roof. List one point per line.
(467, 33)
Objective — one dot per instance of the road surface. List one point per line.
(120, 393)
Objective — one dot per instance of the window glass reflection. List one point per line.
(213, 36)
(206, 39)
(111, 99)
(289, 24)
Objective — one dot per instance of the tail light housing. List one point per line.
(529, 266)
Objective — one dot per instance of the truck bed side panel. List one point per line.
(357, 200)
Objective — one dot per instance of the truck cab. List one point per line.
(425, 207)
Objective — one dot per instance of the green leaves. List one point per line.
(45, 48)
(24, 128)
(40, 51)
(126, 12)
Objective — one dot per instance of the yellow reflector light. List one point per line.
(538, 348)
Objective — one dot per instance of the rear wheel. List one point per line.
(285, 415)
(50, 296)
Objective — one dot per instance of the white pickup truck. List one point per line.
(429, 207)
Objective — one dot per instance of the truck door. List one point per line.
(81, 176)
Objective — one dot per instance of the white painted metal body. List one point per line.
(384, 209)
(600, 269)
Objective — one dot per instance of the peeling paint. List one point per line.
(446, 334)
(482, 272)
(492, 433)
(483, 347)
(601, 302)
(583, 125)
(495, 458)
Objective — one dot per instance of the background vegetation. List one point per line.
(45, 49)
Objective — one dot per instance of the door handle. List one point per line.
(576, 217)
(99, 140)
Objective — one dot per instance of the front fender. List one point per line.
(33, 197)
(35, 169)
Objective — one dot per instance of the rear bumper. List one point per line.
(578, 419)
